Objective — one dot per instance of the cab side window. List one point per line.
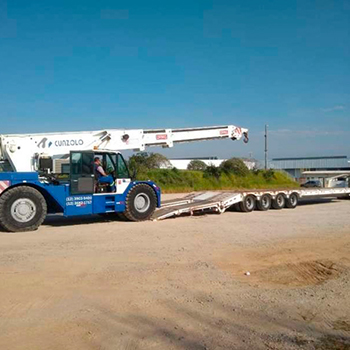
(109, 165)
(123, 172)
(87, 164)
(81, 163)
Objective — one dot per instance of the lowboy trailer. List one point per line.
(243, 201)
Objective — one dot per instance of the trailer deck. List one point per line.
(220, 201)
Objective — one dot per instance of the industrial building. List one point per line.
(295, 167)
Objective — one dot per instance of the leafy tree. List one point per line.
(158, 161)
(144, 161)
(212, 171)
(196, 165)
(234, 166)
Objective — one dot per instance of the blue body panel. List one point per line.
(78, 204)
(19, 176)
(108, 203)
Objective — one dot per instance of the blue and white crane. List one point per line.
(30, 189)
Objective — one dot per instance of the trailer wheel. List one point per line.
(279, 202)
(141, 202)
(264, 203)
(248, 204)
(292, 201)
(22, 209)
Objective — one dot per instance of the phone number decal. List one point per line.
(81, 201)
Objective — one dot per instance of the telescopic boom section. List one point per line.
(168, 137)
(22, 151)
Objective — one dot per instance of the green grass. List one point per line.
(174, 180)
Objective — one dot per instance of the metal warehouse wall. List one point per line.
(310, 163)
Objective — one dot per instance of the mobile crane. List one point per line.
(29, 190)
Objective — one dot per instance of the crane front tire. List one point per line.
(141, 202)
(22, 208)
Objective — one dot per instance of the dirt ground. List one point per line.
(180, 283)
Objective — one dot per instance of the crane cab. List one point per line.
(83, 176)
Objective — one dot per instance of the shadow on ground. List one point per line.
(315, 201)
(203, 324)
(58, 220)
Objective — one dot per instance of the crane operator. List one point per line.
(101, 175)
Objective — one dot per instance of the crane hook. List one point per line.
(246, 138)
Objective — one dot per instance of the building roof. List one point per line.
(327, 162)
(312, 158)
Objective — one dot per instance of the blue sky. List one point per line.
(85, 65)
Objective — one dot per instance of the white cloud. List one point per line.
(333, 109)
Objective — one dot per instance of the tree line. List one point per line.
(142, 162)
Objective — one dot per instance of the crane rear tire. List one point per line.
(141, 202)
(22, 208)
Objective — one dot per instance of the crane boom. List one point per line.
(23, 150)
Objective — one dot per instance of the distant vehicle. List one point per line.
(339, 182)
(312, 183)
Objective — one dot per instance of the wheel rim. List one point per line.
(293, 200)
(280, 201)
(265, 201)
(142, 202)
(23, 210)
(249, 203)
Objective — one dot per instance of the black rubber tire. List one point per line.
(8, 222)
(292, 201)
(264, 203)
(279, 202)
(248, 204)
(131, 212)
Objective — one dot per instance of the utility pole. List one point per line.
(266, 148)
